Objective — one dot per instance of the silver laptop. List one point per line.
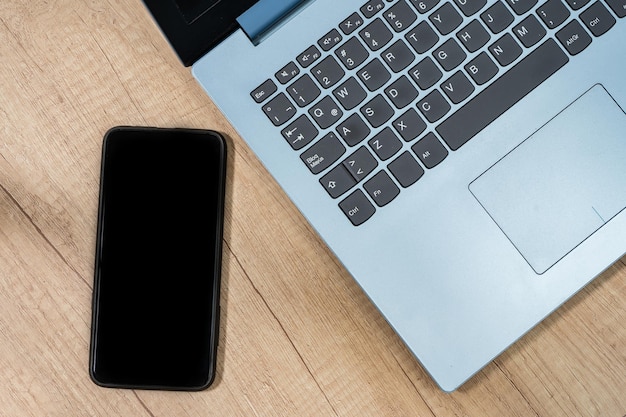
(464, 159)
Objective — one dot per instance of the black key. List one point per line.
(521, 6)
(573, 37)
(507, 90)
(424, 6)
(457, 87)
(264, 91)
(577, 4)
(330, 40)
(553, 13)
(446, 19)
(279, 109)
(425, 73)
(350, 94)
(300, 132)
(406, 169)
(469, 7)
(323, 153)
(597, 19)
(377, 111)
(505, 50)
(372, 7)
(352, 23)
(303, 91)
(433, 106)
(618, 6)
(473, 36)
(353, 130)
(352, 53)
(337, 181)
(287, 73)
(381, 188)
(357, 208)
(497, 17)
(410, 125)
(398, 56)
(401, 92)
(430, 151)
(449, 54)
(422, 37)
(385, 144)
(360, 164)
(328, 72)
(309, 56)
(325, 112)
(529, 31)
(481, 68)
(374, 75)
(376, 35)
(400, 16)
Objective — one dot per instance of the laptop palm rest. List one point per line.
(561, 184)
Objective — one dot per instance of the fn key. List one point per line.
(357, 207)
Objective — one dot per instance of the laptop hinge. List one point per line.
(264, 15)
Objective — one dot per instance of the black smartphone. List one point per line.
(158, 259)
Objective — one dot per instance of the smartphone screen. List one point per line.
(158, 259)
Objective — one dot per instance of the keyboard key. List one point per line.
(481, 68)
(309, 56)
(422, 37)
(323, 153)
(372, 7)
(287, 73)
(264, 91)
(425, 73)
(618, 6)
(328, 72)
(338, 181)
(374, 75)
(279, 109)
(376, 35)
(446, 19)
(449, 54)
(385, 144)
(400, 16)
(353, 130)
(469, 7)
(597, 19)
(521, 6)
(507, 90)
(529, 31)
(497, 17)
(352, 23)
(360, 164)
(398, 56)
(573, 37)
(325, 113)
(300, 132)
(303, 91)
(433, 106)
(457, 87)
(405, 169)
(577, 4)
(473, 36)
(350, 94)
(424, 6)
(377, 111)
(401, 92)
(410, 125)
(330, 40)
(505, 50)
(352, 53)
(430, 151)
(553, 13)
(357, 208)
(381, 188)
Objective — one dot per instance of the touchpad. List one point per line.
(561, 184)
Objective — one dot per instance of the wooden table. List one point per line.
(298, 336)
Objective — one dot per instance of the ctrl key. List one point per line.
(357, 207)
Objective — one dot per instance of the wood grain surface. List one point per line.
(298, 336)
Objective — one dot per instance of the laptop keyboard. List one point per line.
(385, 96)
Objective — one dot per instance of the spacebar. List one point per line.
(500, 96)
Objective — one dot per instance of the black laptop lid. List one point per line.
(193, 27)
